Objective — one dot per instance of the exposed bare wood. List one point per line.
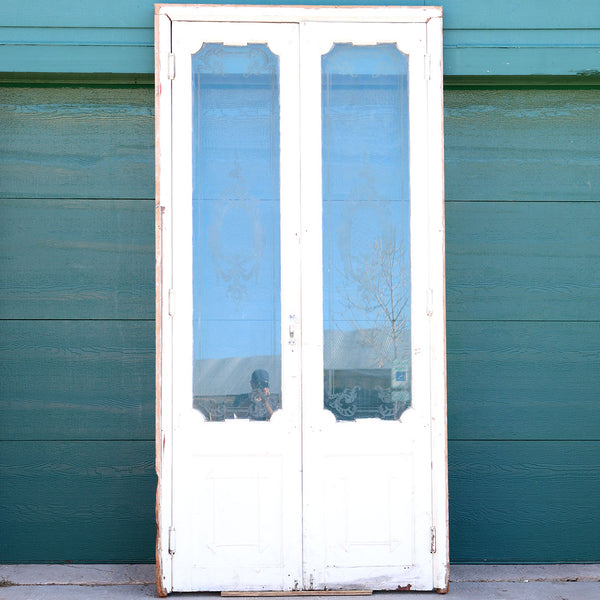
(162, 591)
(298, 593)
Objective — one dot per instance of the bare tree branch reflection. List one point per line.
(376, 288)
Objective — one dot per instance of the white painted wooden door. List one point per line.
(302, 181)
(367, 480)
(236, 480)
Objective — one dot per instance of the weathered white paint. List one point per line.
(316, 533)
(296, 14)
(236, 484)
(164, 344)
(437, 326)
(367, 484)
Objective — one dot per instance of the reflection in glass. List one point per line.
(236, 272)
(366, 235)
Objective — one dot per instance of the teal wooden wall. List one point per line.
(482, 37)
(77, 333)
(76, 280)
(76, 324)
(523, 309)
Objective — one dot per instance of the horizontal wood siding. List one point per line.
(482, 37)
(77, 379)
(526, 502)
(541, 145)
(104, 249)
(76, 143)
(518, 260)
(76, 324)
(522, 239)
(77, 341)
(524, 380)
(470, 14)
(83, 501)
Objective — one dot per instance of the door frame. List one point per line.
(435, 302)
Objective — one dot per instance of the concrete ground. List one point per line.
(136, 582)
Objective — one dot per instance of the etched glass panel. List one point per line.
(366, 233)
(236, 264)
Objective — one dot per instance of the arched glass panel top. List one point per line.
(236, 245)
(366, 231)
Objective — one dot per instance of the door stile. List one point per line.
(291, 313)
(163, 111)
(435, 179)
(312, 286)
(181, 301)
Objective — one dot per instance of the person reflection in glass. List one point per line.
(259, 404)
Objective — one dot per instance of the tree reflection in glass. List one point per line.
(366, 234)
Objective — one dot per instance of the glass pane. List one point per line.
(366, 237)
(237, 352)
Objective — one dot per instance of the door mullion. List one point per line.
(312, 288)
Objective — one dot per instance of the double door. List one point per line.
(302, 373)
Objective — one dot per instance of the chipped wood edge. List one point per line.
(441, 563)
(162, 190)
(297, 593)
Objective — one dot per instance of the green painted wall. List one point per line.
(77, 285)
(77, 476)
(482, 37)
(77, 332)
(523, 309)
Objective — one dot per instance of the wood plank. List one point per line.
(523, 380)
(514, 14)
(468, 14)
(77, 502)
(63, 35)
(297, 593)
(90, 79)
(531, 38)
(519, 502)
(472, 83)
(522, 145)
(523, 260)
(490, 37)
(76, 380)
(76, 58)
(460, 59)
(77, 259)
(70, 142)
(491, 60)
